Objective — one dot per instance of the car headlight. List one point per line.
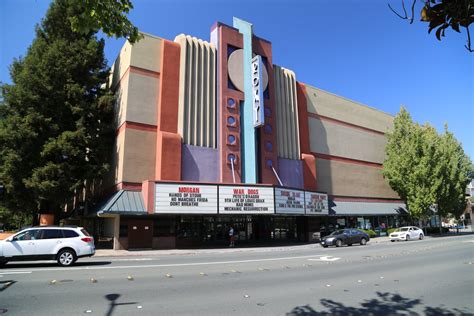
(330, 239)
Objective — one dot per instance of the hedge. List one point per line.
(370, 232)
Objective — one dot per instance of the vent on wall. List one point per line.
(197, 92)
(288, 137)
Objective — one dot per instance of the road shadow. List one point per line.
(52, 264)
(112, 298)
(451, 234)
(384, 304)
(6, 284)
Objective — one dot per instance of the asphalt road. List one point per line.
(429, 277)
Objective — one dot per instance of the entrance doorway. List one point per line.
(140, 233)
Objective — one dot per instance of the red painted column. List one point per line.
(168, 141)
(309, 161)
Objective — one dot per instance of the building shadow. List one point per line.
(384, 304)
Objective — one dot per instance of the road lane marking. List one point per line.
(16, 272)
(163, 265)
(325, 258)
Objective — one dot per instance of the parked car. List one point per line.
(406, 233)
(63, 244)
(345, 237)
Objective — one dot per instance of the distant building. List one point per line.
(213, 134)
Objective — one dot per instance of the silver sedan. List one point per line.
(406, 233)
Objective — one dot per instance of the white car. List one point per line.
(407, 233)
(63, 244)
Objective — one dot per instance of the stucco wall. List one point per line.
(330, 105)
(199, 164)
(291, 172)
(139, 155)
(348, 179)
(142, 99)
(146, 53)
(334, 139)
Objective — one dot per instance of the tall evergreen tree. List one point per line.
(56, 126)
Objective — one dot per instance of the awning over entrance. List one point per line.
(366, 208)
(124, 203)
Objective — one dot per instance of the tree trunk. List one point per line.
(440, 225)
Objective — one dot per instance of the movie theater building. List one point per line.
(212, 134)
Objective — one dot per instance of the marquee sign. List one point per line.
(289, 201)
(257, 91)
(185, 199)
(245, 200)
(316, 203)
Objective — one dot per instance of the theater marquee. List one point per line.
(188, 198)
(185, 199)
(246, 200)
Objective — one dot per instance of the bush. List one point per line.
(370, 232)
(391, 230)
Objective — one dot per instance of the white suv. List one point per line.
(64, 244)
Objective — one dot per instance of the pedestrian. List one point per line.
(231, 236)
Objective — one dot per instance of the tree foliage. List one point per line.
(426, 169)
(442, 15)
(110, 16)
(55, 119)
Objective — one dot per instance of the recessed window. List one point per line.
(269, 163)
(268, 146)
(231, 120)
(231, 157)
(268, 129)
(268, 112)
(231, 139)
(230, 102)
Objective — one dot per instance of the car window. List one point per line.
(70, 233)
(51, 234)
(84, 232)
(404, 229)
(30, 234)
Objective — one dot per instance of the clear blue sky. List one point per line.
(356, 49)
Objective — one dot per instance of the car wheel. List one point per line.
(363, 242)
(421, 236)
(408, 238)
(66, 257)
(392, 240)
(338, 243)
(3, 263)
(324, 246)
(349, 244)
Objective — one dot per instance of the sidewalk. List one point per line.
(166, 252)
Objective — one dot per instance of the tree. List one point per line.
(110, 16)
(442, 15)
(455, 173)
(426, 169)
(56, 128)
(404, 167)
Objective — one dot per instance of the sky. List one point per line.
(357, 49)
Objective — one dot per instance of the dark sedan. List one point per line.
(345, 237)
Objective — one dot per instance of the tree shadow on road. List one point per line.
(112, 298)
(384, 304)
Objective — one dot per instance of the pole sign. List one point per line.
(289, 201)
(185, 199)
(245, 200)
(257, 91)
(316, 203)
